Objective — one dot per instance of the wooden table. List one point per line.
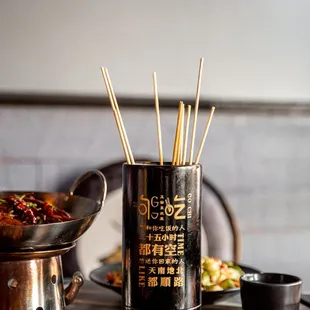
(95, 297)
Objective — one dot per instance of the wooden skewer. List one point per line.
(188, 116)
(175, 147)
(116, 117)
(204, 135)
(160, 146)
(180, 140)
(196, 112)
(120, 117)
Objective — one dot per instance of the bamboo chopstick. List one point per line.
(180, 147)
(118, 117)
(189, 107)
(160, 146)
(177, 131)
(196, 111)
(180, 139)
(204, 135)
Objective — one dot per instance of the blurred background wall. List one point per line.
(255, 51)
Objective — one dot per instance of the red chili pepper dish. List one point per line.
(28, 210)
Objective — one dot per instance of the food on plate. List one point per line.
(218, 275)
(114, 278)
(25, 209)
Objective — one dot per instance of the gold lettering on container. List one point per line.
(165, 281)
(178, 282)
(161, 270)
(152, 281)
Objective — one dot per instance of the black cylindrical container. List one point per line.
(161, 236)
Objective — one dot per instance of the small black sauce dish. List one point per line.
(270, 291)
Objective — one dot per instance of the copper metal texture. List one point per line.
(35, 283)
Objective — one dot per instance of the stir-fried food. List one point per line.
(114, 278)
(28, 210)
(219, 276)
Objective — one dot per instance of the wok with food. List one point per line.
(40, 220)
(28, 210)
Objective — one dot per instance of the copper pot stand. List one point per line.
(34, 281)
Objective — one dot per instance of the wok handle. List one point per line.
(85, 176)
(72, 290)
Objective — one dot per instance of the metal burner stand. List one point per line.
(34, 280)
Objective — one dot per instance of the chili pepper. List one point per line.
(31, 216)
(30, 210)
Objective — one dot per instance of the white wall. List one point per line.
(253, 49)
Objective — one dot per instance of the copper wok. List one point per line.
(47, 236)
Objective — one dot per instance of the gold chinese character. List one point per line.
(152, 270)
(178, 282)
(161, 270)
(141, 269)
(144, 208)
(152, 281)
(157, 237)
(158, 249)
(165, 281)
(165, 237)
(177, 198)
(168, 228)
(162, 228)
(148, 261)
(170, 270)
(175, 228)
(169, 209)
(180, 252)
(179, 207)
(180, 270)
(174, 261)
(155, 228)
(181, 228)
(148, 227)
(168, 261)
(172, 237)
(149, 237)
(144, 249)
(181, 261)
(161, 261)
(141, 260)
(141, 284)
(154, 261)
(170, 249)
(141, 278)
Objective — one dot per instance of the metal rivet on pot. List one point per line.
(12, 283)
(54, 279)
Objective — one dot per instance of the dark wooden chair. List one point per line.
(220, 231)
